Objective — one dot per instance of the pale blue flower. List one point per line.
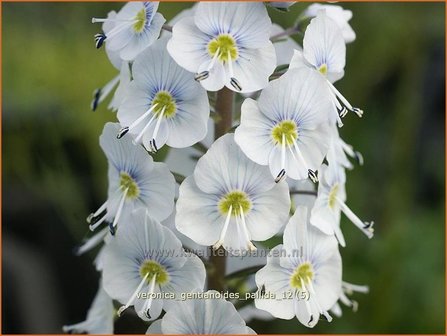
(324, 51)
(302, 278)
(135, 181)
(210, 316)
(230, 200)
(226, 44)
(135, 27)
(145, 260)
(288, 127)
(164, 104)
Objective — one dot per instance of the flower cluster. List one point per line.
(241, 190)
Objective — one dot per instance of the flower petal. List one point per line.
(247, 22)
(197, 214)
(323, 44)
(187, 45)
(253, 68)
(225, 168)
(254, 133)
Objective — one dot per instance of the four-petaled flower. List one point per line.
(135, 27)
(226, 44)
(135, 181)
(324, 51)
(230, 200)
(302, 278)
(164, 104)
(208, 316)
(288, 127)
(145, 259)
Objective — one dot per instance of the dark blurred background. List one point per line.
(54, 172)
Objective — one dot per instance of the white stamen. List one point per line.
(344, 101)
(92, 242)
(99, 20)
(312, 174)
(366, 228)
(157, 125)
(140, 118)
(312, 291)
(97, 212)
(213, 61)
(283, 152)
(140, 135)
(148, 303)
(118, 29)
(350, 288)
(233, 81)
(120, 208)
(306, 302)
(251, 246)
(230, 64)
(282, 172)
(224, 230)
(93, 227)
(134, 295)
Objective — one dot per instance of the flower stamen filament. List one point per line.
(153, 145)
(250, 245)
(343, 102)
(133, 297)
(365, 227)
(118, 213)
(147, 305)
(224, 230)
(135, 123)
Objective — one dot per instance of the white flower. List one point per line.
(340, 16)
(303, 276)
(143, 262)
(135, 181)
(135, 27)
(331, 202)
(324, 51)
(348, 289)
(211, 316)
(288, 127)
(99, 317)
(339, 151)
(230, 200)
(164, 104)
(226, 44)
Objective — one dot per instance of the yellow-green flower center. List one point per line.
(303, 272)
(235, 200)
(152, 268)
(285, 129)
(166, 102)
(223, 44)
(127, 182)
(323, 69)
(140, 21)
(333, 196)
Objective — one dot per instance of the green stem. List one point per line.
(224, 109)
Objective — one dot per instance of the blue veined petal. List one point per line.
(247, 22)
(323, 45)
